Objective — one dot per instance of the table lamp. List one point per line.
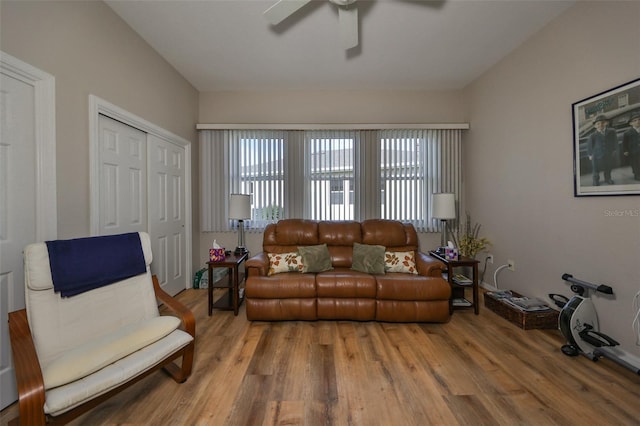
(444, 208)
(240, 209)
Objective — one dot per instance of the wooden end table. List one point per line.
(457, 289)
(232, 262)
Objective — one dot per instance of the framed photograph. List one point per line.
(606, 142)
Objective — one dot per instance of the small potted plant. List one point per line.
(469, 242)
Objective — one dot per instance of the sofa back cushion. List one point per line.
(394, 235)
(343, 233)
(339, 237)
(288, 234)
(59, 324)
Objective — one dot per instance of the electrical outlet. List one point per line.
(489, 258)
(511, 265)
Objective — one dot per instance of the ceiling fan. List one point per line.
(347, 17)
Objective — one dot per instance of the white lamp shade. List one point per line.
(240, 206)
(444, 206)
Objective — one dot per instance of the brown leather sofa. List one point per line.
(344, 293)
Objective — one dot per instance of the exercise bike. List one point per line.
(578, 323)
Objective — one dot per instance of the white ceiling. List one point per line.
(404, 44)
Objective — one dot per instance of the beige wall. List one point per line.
(326, 107)
(90, 50)
(519, 155)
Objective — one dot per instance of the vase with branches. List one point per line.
(468, 239)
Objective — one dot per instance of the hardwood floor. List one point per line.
(473, 370)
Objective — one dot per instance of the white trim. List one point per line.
(99, 106)
(335, 126)
(44, 85)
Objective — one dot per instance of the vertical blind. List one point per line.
(415, 164)
(257, 161)
(329, 174)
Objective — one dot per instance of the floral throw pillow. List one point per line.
(284, 262)
(400, 261)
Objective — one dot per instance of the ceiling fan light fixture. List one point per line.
(342, 2)
(347, 17)
(348, 22)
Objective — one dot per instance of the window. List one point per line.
(329, 174)
(257, 168)
(402, 172)
(329, 166)
(337, 192)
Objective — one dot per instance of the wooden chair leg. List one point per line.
(180, 374)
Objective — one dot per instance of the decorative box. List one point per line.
(216, 254)
(451, 253)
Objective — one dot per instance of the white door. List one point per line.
(122, 155)
(167, 213)
(27, 166)
(142, 188)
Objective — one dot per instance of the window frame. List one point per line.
(366, 184)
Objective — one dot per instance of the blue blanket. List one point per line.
(84, 264)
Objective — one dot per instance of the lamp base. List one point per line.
(443, 236)
(240, 251)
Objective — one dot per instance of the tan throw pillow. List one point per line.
(368, 258)
(400, 261)
(284, 262)
(315, 258)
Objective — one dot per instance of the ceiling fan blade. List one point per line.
(282, 10)
(348, 21)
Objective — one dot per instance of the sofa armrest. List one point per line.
(257, 265)
(181, 311)
(27, 367)
(428, 266)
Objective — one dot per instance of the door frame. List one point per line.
(97, 107)
(45, 138)
(46, 217)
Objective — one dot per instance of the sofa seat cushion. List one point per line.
(64, 398)
(282, 309)
(354, 309)
(289, 285)
(397, 286)
(96, 354)
(345, 283)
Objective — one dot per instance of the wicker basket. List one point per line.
(524, 320)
